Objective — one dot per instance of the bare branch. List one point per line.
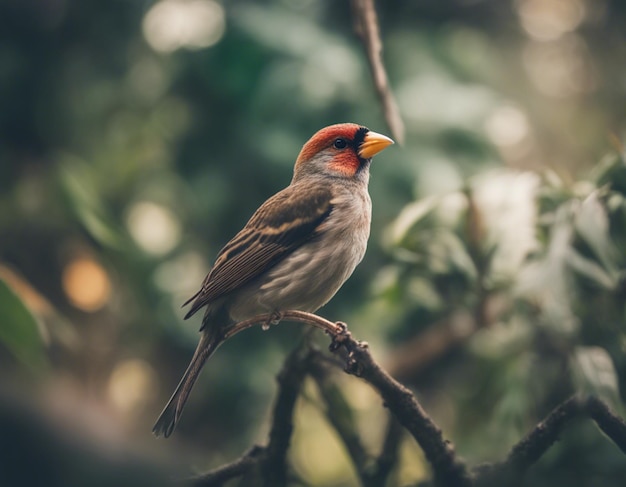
(610, 423)
(340, 416)
(223, 474)
(411, 358)
(366, 26)
(543, 436)
(290, 379)
(448, 470)
(298, 316)
(531, 448)
(388, 455)
(271, 459)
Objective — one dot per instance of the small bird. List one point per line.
(295, 252)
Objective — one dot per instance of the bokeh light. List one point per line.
(547, 20)
(153, 227)
(193, 24)
(86, 284)
(559, 68)
(132, 386)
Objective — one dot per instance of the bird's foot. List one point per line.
(273, 319)
(341, 337)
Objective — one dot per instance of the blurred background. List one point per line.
(136, 137)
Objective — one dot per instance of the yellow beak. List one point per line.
(372, 144)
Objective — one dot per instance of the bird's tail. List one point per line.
(170, 415)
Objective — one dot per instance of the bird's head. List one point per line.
(343, 150)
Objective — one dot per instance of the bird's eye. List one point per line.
(340, 144)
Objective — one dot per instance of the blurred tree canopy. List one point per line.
(136, 137)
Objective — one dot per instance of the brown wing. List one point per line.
(279, 226)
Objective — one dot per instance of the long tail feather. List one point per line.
(170, 415)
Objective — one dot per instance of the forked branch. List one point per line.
(447, 468)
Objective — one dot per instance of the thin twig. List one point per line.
(543, 436)
(341, 417)
(373, 472)
(388, 456)
(610, 423)
(366, 26)
(270, 459)
(290, 379)
(409, 360)
(292, 315)
(223, 474)
(534, 445)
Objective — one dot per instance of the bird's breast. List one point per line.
(310, 276)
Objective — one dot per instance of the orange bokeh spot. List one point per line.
(86, 284)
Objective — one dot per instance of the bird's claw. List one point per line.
(343, 338)
(274, 318)
(340, 338)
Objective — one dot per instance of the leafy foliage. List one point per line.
(552, 253)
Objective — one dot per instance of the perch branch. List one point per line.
(297, 316)
(366, 26)
(447, 468)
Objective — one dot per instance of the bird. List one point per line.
(294, 253)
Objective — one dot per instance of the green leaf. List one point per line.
(458, 255)
(19, 330)
(423, 293)
(86, 204)
(592, 224)
(594, 373)
(591, 270)
(611, 170)
(410, 216)
(546, 280)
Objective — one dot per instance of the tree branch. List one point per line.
(366, 26)
(408, 360)
(448, 470)
(290, 379)
(270, 459)
(610, 423)
(339, 414)
(232, 470)
(531, 448)
(388, 456)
